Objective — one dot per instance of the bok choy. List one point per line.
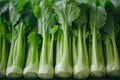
(96, 21)
(67, 11)
(46, 21)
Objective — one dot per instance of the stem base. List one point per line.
(63, 71)
(81, 73)
(30, 72)
(2, 72)
(14, 72)
(46, 71)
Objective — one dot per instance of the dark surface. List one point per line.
(90, 78)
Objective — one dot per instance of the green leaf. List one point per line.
(3, 7)
(101, 2)
(112, 26)
(15, 2)
(67, 12)
(114, 6)
(36, 11)
(58, 33)
(109, 27)
(29, 21)
(75, 32)
(33, 38)
(54, 29)
(20, 5)
(13, 14)
(109, 6)
(82, 19)
(116, 3)
(8, 36)
(97, 17)
(46, 18)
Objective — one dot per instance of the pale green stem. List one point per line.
(100, 52)
(90, 54)
(59, 53)
(3, 63)
(94, 49)
(58, 50)
(80, 49)
(12, 48)
(116, 55)
(66, 55)
(20, 55)
(43, 58)
(109, 52)
(4, 54)
(13, 55)
(61, 49)
(85, 47)
(70, 50)
(74, 49)
(97, 66)
(31, 56)
(50, 56)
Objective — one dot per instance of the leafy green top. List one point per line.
(112, 28)
(33, 39)
(67, 12)
(46, 17)
(54, 29)
(13, 14)
(82, 19)
(97, 17)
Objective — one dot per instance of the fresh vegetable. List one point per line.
(80, 54)
(3, 49)
(17, 49)
(67, 11)
(65, 38)
(96, 21)
(3, 38)
(31, 69)
(111, 31)
(21, 21)
(46, 20)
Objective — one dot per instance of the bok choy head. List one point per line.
(80, 54)
(96, 21)
(19, 25)
(111, 29)
(46, 21)
(67, 11)
(31, 68)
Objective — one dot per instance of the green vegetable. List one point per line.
(111, 30)
(17, 49)
(3, 49)
(59, 37)
(67, 11)
(31, 68)
(3, 38)
(3, 7)
(46, 21)
(80, 55)
(16, 57)
(112, 57)
(96, 21)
